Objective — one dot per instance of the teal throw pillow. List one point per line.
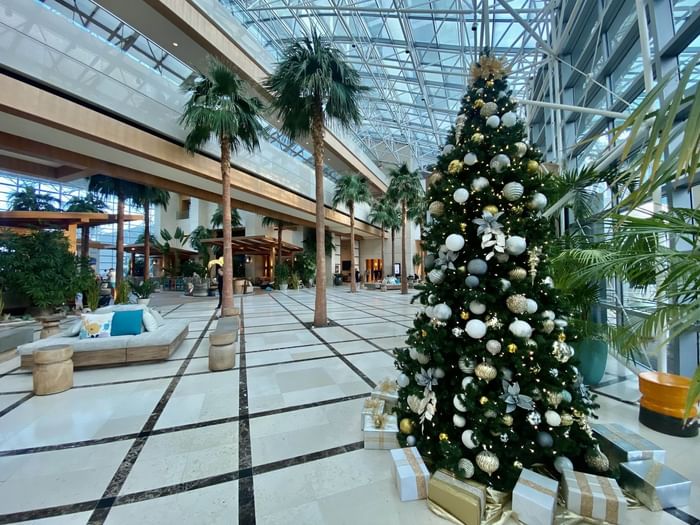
(127, 322)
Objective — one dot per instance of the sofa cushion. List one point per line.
(149, 321)
(73, 328)
(158, 316)
(96, 326)
(127, 322)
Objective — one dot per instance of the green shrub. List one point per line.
(92, 294)
(145, 288)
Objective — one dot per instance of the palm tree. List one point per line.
(272, 222)
(195, 238)
(28, 199)
(405, 188)
(219, 108)
(385, 214)
(123, 190)
(90, 203)
(417, 214)
(312, 84)
(217, 218)
(351, 190)
(145, 197)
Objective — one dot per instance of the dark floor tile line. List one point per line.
(344, 359)
(246, 486)
(47, 512)
(306, 458)
(70, 445)
(9, 371)
(15, 392)
(17, 403)
(305, 406)
(99, 515)
(615, 398)
(683, 516)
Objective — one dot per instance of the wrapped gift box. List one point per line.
(463, 499)
(654, 484)
(379, 432)
(594, 496)
(372, 406)
(410, 474)
(388, 391)
(620, 444)
(535, 498)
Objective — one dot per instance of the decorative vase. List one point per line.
(593, 356)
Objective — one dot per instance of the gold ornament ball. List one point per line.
(477, 138)
(434, 178)
(492, 209)
(567, 420)
(406, 425)
(455, 166)
(533, 166)
(517, 464)
(463, 226)
(487, 461)
(423, 333)
(512, 348)
(485, 371)
(489, 83)
(478, 103)
(462, 269)
(484, 400)
(507, 420)
(443, 436)
(562, 337)
(517, 274)
(598, 461)
(517, 209)
(464, 315)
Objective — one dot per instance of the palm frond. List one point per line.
(350, 190)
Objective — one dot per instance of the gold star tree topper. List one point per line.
(489, 68)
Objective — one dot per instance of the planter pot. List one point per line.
(593, 357)
(201, 290)
(283, 287)
(145, 301)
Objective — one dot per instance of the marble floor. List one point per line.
(276, 440)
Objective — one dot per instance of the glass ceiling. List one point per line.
(415, 55)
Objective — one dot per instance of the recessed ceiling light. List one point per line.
(175, 44)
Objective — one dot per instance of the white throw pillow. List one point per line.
(158, 317)
(149, 321)
(96, 325)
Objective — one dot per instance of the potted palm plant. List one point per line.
(282, 274)
(144, 289)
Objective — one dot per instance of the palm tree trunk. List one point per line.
(279, 244)
(85, 241)
(120, 239)
(383, 272)
(146, 240)
(404, 275)
(227, 292)
(353, 284)
(393, 259)
(320, 310)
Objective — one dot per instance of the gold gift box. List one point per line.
(465, 500)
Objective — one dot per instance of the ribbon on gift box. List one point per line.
(379, 420)
(537, 487)
(613, 434)
(653, 475)
(421, 480)
(587, 496)
(372, 403)
(387, 386)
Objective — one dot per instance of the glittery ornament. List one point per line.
(455, 167)
(533, 166)
(457, 331)
(470, 159)
(436, 276)
(434, 178)
(493, 346)
(449, 148)
(513, 191)
(507, 420)
(406, 425)
(509, 119)
(512, 348)
(423, 333)
(477, 138)
(488, 109)
(466, 365)
(466, 467)
(517, 304)
(483, 400)
(480, 183)
(534, 418)
(488, 68)
(518, 464)
(598, 461)
(554, 398)
(504, 438)
(464, 315)
(436, 208)
(520, 149)
(490, 414)
(490, 208)
(443, 437)
(547, 326)
(567, 420)
(517, 274)
(485, 371)
(487, 461)
(520, 329)
(561, 351)
(478, 103)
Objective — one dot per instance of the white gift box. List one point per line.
(594, 496)
(383, 436)
(372, 406)
(388, 391)
(410, 474)
(535, 498)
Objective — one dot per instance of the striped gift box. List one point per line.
(410, 474)
(620, 444)
(382, 436)
(594, 496)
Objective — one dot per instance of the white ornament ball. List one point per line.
(438, 373)
(436, 208)
(493, 346)
(520, 149)
(552, 418)
(477, 308)
(413, 353)
(502, 94)
(477, 267)
(466, 467)
(403, 380)
(488, 109)
(548, 282)
(472, 281)
(516, 245)
(475, 329)
(493, 121)
(449, 148)
(520, 329)
(563, 463)
(513, 191)
(469, 439)
(466, 365)
(458, 403)
(436, 276)
(430, 311)
(487, 461)
(470, 159)
(509, 119)
(410, 440)
(531, 306)
(459, 421)
(480, 183)
(502, 257)
(454, 242)
(468, 380)
(561, 323)
(505, 284)
(422, 359)
(538, 201)
(548, 314)
(460, 195)
(517, 303)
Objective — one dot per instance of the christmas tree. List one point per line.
(488, 384)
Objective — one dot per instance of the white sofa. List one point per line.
(146, 346)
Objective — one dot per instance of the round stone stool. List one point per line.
(50, 326)
(53, 369)
(222, 357)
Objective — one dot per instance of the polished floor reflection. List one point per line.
(274, 441)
